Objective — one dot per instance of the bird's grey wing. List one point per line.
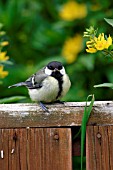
(35, 81)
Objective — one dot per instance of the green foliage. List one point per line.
(36, 35)
(109, 21)
(79, 161)
(85, 118)
(12, 99)
(76, 163)
(110, 85)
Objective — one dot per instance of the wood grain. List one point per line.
(49, 148)
(99, 148)
(67, 114)
(36, 149)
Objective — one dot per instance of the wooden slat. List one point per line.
(36, 149)
(49, 148)
(23, 140)
(99, 148)
(67, 114)
(110, 139)
(1, 148)
(31, 150)
(5, 135)
(13, 145)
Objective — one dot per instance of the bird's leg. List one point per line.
(44, 108)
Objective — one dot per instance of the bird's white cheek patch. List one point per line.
(62, 71)
(48, 71)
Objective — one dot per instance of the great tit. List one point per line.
(47, 85)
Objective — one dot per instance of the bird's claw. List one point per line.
(44, 108)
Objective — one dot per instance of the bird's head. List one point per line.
(55, 69)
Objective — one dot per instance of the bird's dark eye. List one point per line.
(51, 67)
(59, 67)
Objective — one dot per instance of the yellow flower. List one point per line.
(71, 48)
(109, 42)
(90, 46)
(101, 43)
(98, 43)
(90, 42)
(72, 10)
(3, 56)
(100, 37)
(3, 73)
(91, 50)
(4, 43)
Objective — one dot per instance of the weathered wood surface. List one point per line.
(36, 149)
(67, 114)
(99, 148)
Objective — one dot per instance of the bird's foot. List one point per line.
(44, 108)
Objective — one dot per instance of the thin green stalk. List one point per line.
(85, 118)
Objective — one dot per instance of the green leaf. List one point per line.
(110, 48)
(110, 85)
(12, 99)
(85, 118)
(6, 62)
(109, 21)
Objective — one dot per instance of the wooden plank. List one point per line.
(67, 114)
(99, 148)
(90, 145)
(4, 138)
(36, 148)
(14, 162)
(23, 148)
(1, 149)
(31, 162)
(110, 139)
(12, 143)
(49, 148)
(13, 146)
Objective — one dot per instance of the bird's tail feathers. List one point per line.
(18, 84)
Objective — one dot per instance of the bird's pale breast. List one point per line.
(48, 91)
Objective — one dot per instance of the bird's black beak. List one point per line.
(56, 70)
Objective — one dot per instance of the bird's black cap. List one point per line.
(55, 64)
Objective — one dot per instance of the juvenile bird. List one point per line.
(47, 85)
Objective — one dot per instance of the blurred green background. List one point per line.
(40, 31)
